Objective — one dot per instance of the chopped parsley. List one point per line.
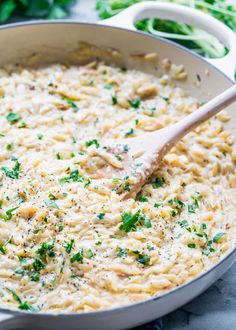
(143, 199)
(121, 252)
(52, 197)
(142, 258)
(14, 173)
(22, 260)
(9, 213)
(183, 223)
(135, 103)
(192, 245)
(38, 264)
(2, 249)
(126, 148)
(79, 256)
(203, 226)
(69, 246)
(46, 249)
(13, 117)
(192, 207)
(130, 132)
(40, 136)
(114, 99)
(159, 182)
(129, 221)
(23, 305)
(90, 253)
(58, 156)
(92, 142)
(9, 146)
(60, 227)
(158, 204)
(108, 86)
(34, 277)
(74, 176)
(217, 237)
(71, 103)
(52, 203)
(101, 216)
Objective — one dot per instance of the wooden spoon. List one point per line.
(145, 152)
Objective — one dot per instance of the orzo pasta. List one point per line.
(67, 240)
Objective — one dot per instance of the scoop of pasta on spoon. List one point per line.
(135, 159)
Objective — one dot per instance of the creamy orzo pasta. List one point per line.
(67, 240)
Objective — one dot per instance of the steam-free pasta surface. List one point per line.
(67, 240)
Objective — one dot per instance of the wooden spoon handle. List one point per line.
(180, 129)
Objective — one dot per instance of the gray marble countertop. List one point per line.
(215, 309)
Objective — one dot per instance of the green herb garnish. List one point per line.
(71, 103)
(14, 173)
(13, 117)
(69, 246)
(114, 99)
(129, 221)
(192, 245)
(38, 264)
(78, 257)
(159, 182)
(74, 176)
(122, 253)
(130, 132)
(217, 237)
(92, 142)
(101, 216)
(142, 258)
(23, 305)
(135, 103)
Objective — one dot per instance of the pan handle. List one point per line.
(126, 19)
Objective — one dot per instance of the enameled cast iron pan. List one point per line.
(55, 41)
